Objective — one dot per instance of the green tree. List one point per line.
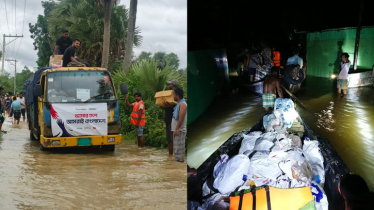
(43, 42)
(1, 54)
(85, 21)
(143, 56)
(146, 77)
(172, 60)
(162, 59)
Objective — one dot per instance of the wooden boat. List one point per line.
(333, 164)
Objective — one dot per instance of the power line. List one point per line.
(15, 15)
(23, 26)
(24, 10)
(6, 15)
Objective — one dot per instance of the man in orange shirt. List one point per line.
(138, 116)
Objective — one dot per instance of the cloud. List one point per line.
(26, 55)
(163, 25)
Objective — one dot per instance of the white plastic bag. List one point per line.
(220, 165)
(231, 176)
(319, 196)
(296, 141)
(282, 144)
(260, 181)
(283, 182)
(248, 142)
(265, 167)
(314, 156)
(264, 146)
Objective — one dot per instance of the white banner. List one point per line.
(89, 119)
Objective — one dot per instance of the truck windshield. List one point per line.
(79, 86)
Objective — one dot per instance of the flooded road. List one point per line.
(129, 178)
(347, 122)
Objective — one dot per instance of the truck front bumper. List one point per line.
(78, 141)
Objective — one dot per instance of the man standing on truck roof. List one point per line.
(69, 54)
(62, 43)
(173, 84)
(178, 125)
(138, 116)
(271, 85)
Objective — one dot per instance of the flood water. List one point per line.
(348, 122)
(129, 178)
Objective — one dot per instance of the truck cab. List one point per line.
(73, 107)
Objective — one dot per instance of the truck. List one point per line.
(73, 107)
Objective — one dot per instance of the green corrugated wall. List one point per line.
(205, 77)
(324, 49)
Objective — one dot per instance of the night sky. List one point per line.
(233, 24)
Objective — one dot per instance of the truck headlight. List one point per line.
(111, 139)
(56, 142)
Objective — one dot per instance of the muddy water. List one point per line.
(129, 178)
(347, 122)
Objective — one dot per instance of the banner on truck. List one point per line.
(79, 119)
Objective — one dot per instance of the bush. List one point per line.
(147, 79)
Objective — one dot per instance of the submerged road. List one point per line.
(129, 178)
(347, 122)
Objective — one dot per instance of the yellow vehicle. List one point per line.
(73, 107)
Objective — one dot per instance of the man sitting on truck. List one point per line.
(69, 54)
(62, 43)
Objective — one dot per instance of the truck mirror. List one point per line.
(123, 88)
(38, 90)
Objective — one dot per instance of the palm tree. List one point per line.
(106, 5)
(130, 38)
(85, 21)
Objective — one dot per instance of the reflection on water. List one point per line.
(347, 121)
(325, 118)
(129, 178)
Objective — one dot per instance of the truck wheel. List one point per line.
(32, 137)
(108, 147)
(43, 148)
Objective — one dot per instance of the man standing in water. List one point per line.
(344, 68)
(2, 119)
(23, 107)
(271, 86)
(173, 84)
(138, 116)
(178, 125)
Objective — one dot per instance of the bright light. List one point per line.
(333, 76)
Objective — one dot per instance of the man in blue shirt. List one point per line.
(16, 108)
(295, 59)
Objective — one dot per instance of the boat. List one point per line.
(333, 164)
(360, 79)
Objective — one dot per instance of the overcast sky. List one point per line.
(163, 25)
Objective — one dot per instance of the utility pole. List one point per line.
(15, 73)
(2, 67)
